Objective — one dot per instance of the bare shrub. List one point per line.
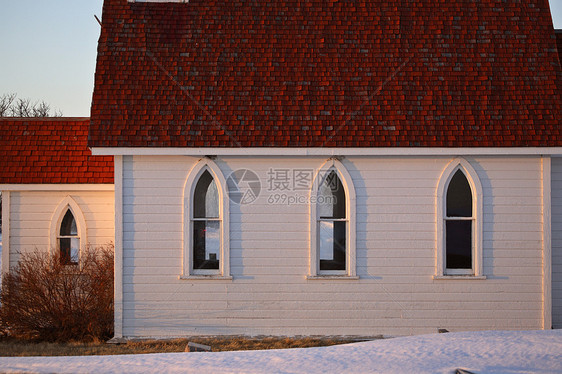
(12, 106)
(6, 101)
(43, 299)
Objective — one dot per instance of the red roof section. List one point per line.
(50, 151)
(295, 73)
(559, 46)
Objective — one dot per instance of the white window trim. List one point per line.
(327, 151)
(188, 272)
(477, 212)
(68, 203)
(314, 264)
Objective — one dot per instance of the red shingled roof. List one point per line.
(50, 150)
(559, 46)
(363, 73)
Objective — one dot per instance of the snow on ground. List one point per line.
(480, 352)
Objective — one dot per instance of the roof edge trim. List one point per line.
(44, 119)
(158, 1)
(264, 151)
(56, 187)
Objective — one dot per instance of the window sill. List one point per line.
(459, 277)
(332, 277)
(205, 277)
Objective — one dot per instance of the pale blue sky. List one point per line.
(48, 50)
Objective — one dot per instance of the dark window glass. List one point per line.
(68, 225)
(69, 242)
(206, 244)
(65, 251)
(459, 244)
(332, 224)
(332, 245)
(331, 197)
(459, 196)
(206, 197)
(206, 224)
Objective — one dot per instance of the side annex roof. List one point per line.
(50, 151)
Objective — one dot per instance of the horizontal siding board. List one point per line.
(315, 313)
(150, 209)
(388, 287)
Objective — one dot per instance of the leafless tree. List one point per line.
(12, 107)
(41, 109)
(22, 108)
(6, 101)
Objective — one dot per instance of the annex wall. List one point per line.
(31, 213)
(396, 292)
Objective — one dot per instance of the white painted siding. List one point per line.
(557, 242)
(32, 211)
(269, 294)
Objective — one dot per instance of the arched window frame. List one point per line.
(314, 257)
(68, 203)
(188, 272)
(477, 216)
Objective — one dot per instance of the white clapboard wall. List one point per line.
(396, 292)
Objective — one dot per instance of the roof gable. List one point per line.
(326, 74)
(50, 151)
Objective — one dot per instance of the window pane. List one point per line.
(324, 202)
(206, 197)
(212, 201)
(326, 240)
(64, 250)
(331, 197)
(74, 250)
(68, 225)
(459, 196)
(332, 245)
(69, 250)
(206, 244)
(459, 244)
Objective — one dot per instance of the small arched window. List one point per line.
(69, 241)
(206, 224)
(68, 232)
(332, 223)
(459, 221)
